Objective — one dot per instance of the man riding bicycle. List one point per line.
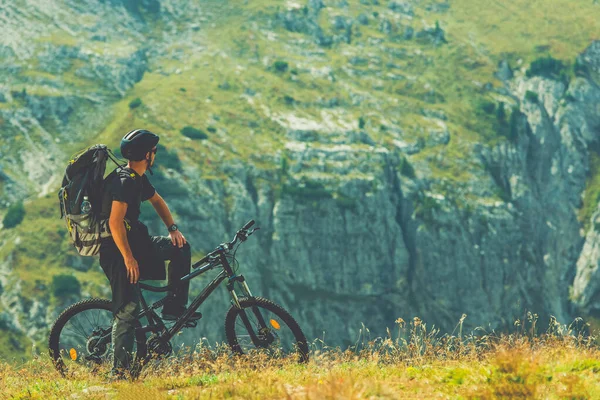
(131, 254)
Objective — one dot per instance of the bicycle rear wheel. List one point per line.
(265, 326)
(81, 336)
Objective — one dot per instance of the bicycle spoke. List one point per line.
(74, 345)
(268, 332)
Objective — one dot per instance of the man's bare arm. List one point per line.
(119, 234)
(164, 213)
(162, 209)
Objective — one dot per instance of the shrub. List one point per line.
(167, 158)
(14, 215)
(284, 165)
(547, 67)
(487, 106)
(65, 285)
(513, 126)
(193, 133)
(311, 191)
(407, 169)
(501, 114)
(135, 103)
(361, 123)
(211, 129)
(280, 66)
(532, 96)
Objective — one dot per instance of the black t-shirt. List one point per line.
(124, 184)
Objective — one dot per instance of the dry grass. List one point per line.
(411, 363)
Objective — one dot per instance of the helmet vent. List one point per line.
(132, 134)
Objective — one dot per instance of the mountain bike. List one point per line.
(81, 335)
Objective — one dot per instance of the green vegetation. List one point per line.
(167, 158)
(410, 362)
(547, 67)
(14, 215)
(135, 103)
(64, 285)
(361, 123)
(307, 189)
(193, 133)
(280, 66)
(407, 169)
(532, 97)
(487, 106)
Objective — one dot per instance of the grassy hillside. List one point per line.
(228, 80)
(489, 367)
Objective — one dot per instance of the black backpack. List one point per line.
(80, 198)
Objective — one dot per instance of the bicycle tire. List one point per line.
(61, 321)
(246, 302)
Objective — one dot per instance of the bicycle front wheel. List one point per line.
(261, 325)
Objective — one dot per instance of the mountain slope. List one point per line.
(398, 156)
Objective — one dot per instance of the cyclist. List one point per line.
(131, 254)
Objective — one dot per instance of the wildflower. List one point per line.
(416, 321)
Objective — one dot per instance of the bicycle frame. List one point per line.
(156, 324)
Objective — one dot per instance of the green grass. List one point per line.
(519, 28)
(415, 365)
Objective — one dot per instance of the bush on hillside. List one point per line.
(407, 169)
(361, 123)
(501, 114)
(280, 66)
(532, 96)
(14, 215)
(64, 285)
(487, 106)
(135, 103)
(547, 67)
(194, 133)
(167, 159)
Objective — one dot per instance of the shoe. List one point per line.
(171, 315)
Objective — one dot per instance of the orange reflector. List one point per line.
(275, 324)
(73, 354)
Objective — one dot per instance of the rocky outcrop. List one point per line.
(349, 236)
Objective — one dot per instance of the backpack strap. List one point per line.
(114, 159)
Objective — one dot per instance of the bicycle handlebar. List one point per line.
(241, 234)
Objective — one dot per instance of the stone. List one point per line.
(504, 71)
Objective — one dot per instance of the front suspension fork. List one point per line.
(231, 288)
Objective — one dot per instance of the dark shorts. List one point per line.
(150, 252)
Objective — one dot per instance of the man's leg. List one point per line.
(123, 334)
(179, 266)
(125, 307)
